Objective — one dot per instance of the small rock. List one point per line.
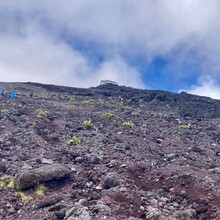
(73, 169)
(89, 184)
(201, 209)
(217, 153)
(12, 210)
(175, 204)
(48, 201)
(164, 200)
(60, 214)
(183, 193)
(100, 207)
(77, 212)
(132, 218)
(98, 188)
(127, 147)
(215, 170)
(3, 167)
(79, 159)
(171, 156)
(123, 166)
(153, 213)
(83, 202)
(172, 190)
(26, 167)
(159, 140)
(95, 160)
(142, 208)
(197, 149)
(46, 161)
(110, 181)
(23, 157)
(188, 214)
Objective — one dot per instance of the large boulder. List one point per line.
(45, 173)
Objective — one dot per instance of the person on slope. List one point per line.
(12, 95)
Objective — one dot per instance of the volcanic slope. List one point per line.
(132, 154)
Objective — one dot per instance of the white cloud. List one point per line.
(206, 87)
(33, 47)
(40, 58)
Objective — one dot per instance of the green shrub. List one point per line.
(40, 189)
(184, 126)
(41, 113)
(5, 110)
(128, 124)
(23, 196)
(88, 101)
(71, 99)
(7, 182)
(74, 141)
(108, 115)
(88, 123)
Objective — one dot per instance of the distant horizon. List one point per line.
(31, 82)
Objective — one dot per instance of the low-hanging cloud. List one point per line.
(42, 59)
(39, 38)
(206, 87)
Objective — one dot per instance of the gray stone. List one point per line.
(47, 161)
(188, 214)
(110, 181)
(215, 170)
(26, 167)
(153, 213)
(197, 149)
(132, 218)
(142, 208)
(77, 212)
(217, 153)
(79, 159)
(45, 173)
(103, 208)
(171, 156)
(3, 167)
(95, 160)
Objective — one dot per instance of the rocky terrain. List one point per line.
(108, 152)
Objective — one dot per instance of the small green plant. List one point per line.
(88, 123)
(23, 196)
(4, 110)
(40, 189)
(89, 101)
(119, 103)
(128, 124)
(73, 141)
(184, 126)
(108, 115)
(144, 125)
(71, 99)
(7, 182)
(41, 113)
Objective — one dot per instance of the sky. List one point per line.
(170, 45)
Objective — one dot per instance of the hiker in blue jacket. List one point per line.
(3, 93)
(12, 95)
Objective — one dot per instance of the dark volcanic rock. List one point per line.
(110, 181)
(3, 167)
(42, 174)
